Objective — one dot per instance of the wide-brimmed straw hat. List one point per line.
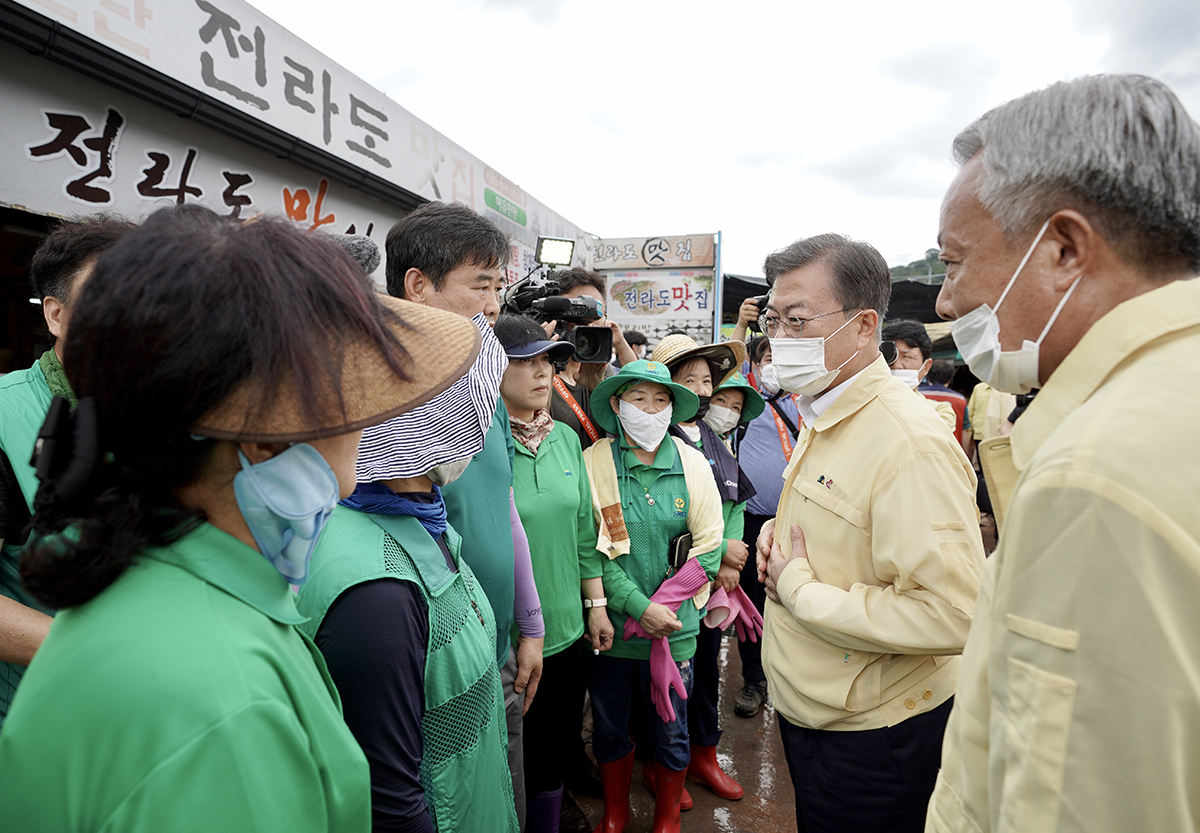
(684, 403)
(754, 405)
(440, 347)
(726, 357)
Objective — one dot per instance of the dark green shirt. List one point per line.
(182, 698)
(631, 579)
(477, 507)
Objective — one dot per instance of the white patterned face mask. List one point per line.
(977, 336)
(644, 430)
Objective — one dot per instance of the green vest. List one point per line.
(24, 400)
(464, 768)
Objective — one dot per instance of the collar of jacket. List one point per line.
(866, 387)
(1124, 330)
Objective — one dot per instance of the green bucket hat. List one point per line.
(754, 404)
(684, 403)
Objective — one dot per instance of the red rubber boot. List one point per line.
(648, 770)
(615, 776)
(666, 801)
(705, 770)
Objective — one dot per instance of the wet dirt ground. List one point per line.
(750, 751)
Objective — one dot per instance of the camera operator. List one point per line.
(575, 382)
(748, 314)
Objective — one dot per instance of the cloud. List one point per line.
(757, 159)
(606, 121)
(538, 12)
(912, 162)
(1153, 37)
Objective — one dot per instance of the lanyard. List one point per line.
(785, 436)
(561, 387)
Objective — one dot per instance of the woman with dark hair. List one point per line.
(555, 502)
(405, 625)
(224, 373)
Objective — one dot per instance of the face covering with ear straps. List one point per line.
(722, 420)
(286, 502)
(644, 430)
(800, 362)
(977, 336)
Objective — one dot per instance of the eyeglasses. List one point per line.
(794, 326)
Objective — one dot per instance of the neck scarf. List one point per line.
(377, 499)
(56, 378)
(530, 434)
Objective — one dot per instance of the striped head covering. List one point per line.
(449, 427)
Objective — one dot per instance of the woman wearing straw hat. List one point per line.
(405, 625)
(555, 502)
(649, 493)
(699, 368)
(224, 372)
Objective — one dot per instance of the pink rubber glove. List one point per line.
(664, 675)
(672, 592)
(749, 622)
(721, 610)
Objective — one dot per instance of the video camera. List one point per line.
(538, 298)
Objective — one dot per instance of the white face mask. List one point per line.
(977, 336)
(644, 430)
(445, 474)
(722, 419)
(912, 378)
(800, 362)
(769, 378)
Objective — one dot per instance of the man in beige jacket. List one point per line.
(1070, 234)
(873, 574)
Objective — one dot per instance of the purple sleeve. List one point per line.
(527, 607)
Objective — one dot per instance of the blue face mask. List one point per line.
(286, 501)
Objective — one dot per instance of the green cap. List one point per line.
(684, 403)
(754, 405)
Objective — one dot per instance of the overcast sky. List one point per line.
(767, 121)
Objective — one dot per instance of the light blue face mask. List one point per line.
(286, 501)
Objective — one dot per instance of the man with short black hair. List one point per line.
(571, 400)
(59, 267)
(872, 563)
(1071, 236)
(914, 357)
(447, 256)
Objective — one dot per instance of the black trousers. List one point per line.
(703, 726)
(555, 716)
(874, 781)
(751, 652)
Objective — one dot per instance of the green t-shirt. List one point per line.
(555, 502)
(477, 506)
(631, 579)
(24, 400)
(183, 698)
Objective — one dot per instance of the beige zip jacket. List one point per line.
(1079, 696)
(869, 623)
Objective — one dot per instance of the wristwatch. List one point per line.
(590, 603)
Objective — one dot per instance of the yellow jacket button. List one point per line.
(910, 703)
(927, 694)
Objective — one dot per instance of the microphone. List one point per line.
(361, 248)
(553, 304)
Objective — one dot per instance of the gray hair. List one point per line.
(1120, 149)
(861, 279)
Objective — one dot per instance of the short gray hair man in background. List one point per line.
(1070, 235)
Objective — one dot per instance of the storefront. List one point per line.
(131, 105)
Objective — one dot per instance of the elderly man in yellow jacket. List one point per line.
(1071, 234)
(873, 564)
